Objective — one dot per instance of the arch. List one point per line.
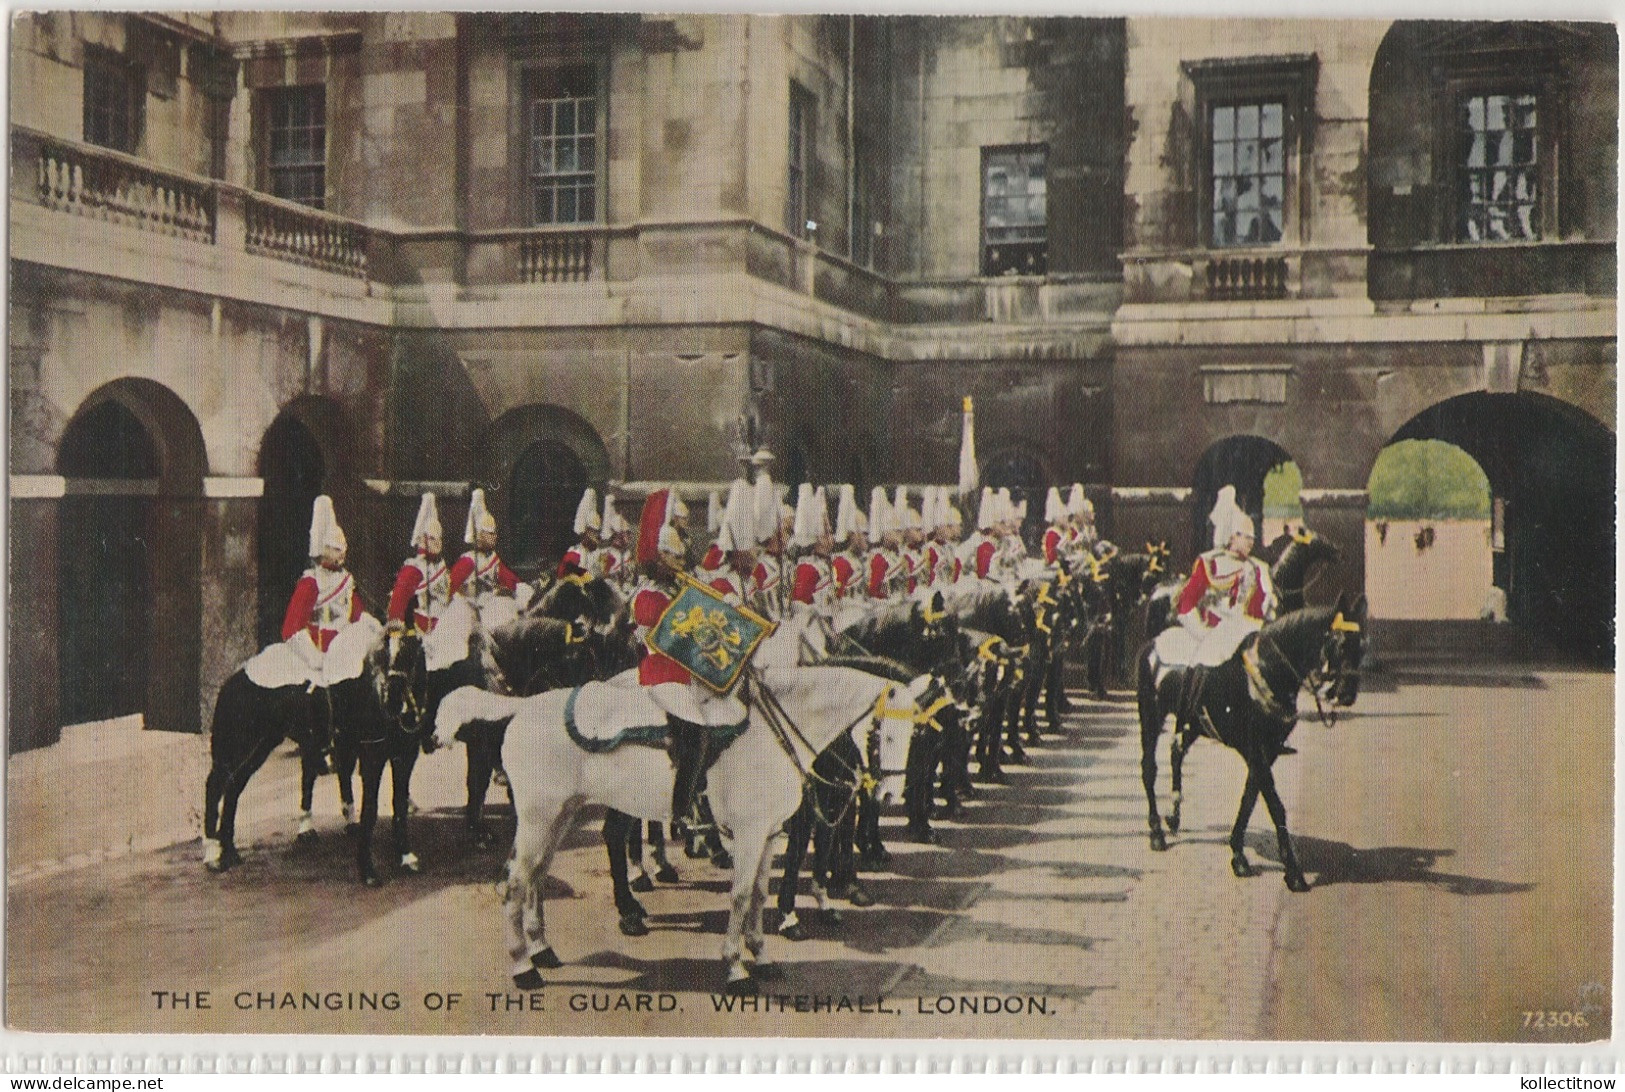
(129, 558)
(1025, 473)
(1551, 472)
(534, 463)
(1243, 461)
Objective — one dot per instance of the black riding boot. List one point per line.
(1190, 699)
(688, 755)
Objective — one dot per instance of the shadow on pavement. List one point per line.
(1338, 862)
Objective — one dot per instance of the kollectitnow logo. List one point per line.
(1554, 1084)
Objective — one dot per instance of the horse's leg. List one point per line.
(924, 751)
(345, 757)
(1052, 687)
(1151, 718)
(798, 829)
(232, 780)
(541, 827)
(1013, 714)
(1238, 834)
(991, 746)
(641, 883)
(1179, 746)
(372, 758)
(754, 940)
(1265, 778)
(1035, 685)
(400, 769)
(632, 914)
(663, 870)
(480, 764)
(312, 763)
(749, 885)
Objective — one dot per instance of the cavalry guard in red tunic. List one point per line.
(913, 540)
(1227, 596)
(735, 554)
(814, 584)
(768, 593)
(619, 567)
(585, 557)
(979, 550)
(480, 572)
(423, 586)
(885, 561)
(691, 709)
(324, 600)
(1057, 529)
(1081, 511)
(851, 534)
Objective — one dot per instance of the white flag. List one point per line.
(968, 477)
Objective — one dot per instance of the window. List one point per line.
(1014, 211)
(797, 203)
(115, 100)
(296, 139)
(1252, 129)
(1246, 148)
(562, 117)
(1498, 185)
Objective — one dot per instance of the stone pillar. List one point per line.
(34, 676)
(176, 529)
(1140, 515)
(1338, 514)
(230, 520)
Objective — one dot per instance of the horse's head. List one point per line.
(903, 711)
(399, 673)
(1343, 650)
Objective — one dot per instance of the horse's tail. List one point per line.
(1146, 690)
(468, 704)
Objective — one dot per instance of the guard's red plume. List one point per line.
(654, 517)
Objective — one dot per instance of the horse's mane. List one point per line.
(887, 617)
(594, 597)
(873, 665)
(988, 609)
(1299, 626)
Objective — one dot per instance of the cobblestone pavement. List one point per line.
(1424, 820)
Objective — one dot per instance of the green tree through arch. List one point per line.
(1428, 479)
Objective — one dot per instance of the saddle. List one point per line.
(601, 716)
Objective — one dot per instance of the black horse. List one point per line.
(1250, 704)
(1130, 577)
(250, 721)
(1296, 560)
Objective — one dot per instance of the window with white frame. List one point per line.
(296, 144)
(1015, 221)
(562, 116)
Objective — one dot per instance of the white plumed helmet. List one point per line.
(325, 532)
(479, 517)
(1228, 519)
(1054, 510)
(587, 512)
(428, 522)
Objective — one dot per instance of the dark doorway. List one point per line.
(1551, 472)
(104, 584)
(1024, 476)
(292, 467)
(546, 486)
(1241, 461)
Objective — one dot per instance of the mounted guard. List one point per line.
(586, 557)
(422, 589)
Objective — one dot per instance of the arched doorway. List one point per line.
(1550, 469)
(1430, 537)
(102, 569)
(534, 463)
(1024, 475)
(129, 557)
(292, 467)
(1242, 461)
(543, 492)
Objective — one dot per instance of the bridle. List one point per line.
(1322, 678)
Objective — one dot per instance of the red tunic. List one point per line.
(984, 557)
(416, 574)
(713, 559)
(879, 568)
(1204, 580)
(318, 614)
(1052, 545)
(727, 585)
(845, 569)
(490, 575)
(811, 578)
(647, 607)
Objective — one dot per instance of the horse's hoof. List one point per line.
(666, 874)
(792, 931)
(411, 864)
(1241, 868)
(1016, 758)
(643, 885)
(1173, 824)
(1296, 883)
(633, 925)
(858, 897)
(528, 980)
(723, 860)
(741, 987)
(546, 959)
(1159, 841)
(693, 850)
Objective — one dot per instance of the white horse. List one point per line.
(754, 786)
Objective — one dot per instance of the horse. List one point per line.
(1008, 620)
(250, 720)
(755, 785)
(1250, 704)
(1130, 579)
(1295, 567)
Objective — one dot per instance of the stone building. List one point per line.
(260, 256)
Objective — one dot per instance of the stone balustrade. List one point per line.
(556, 257)
(107, 185)
(295, 233)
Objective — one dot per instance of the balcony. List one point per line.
(1244, 274)
(296, 233)
(107, 185)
